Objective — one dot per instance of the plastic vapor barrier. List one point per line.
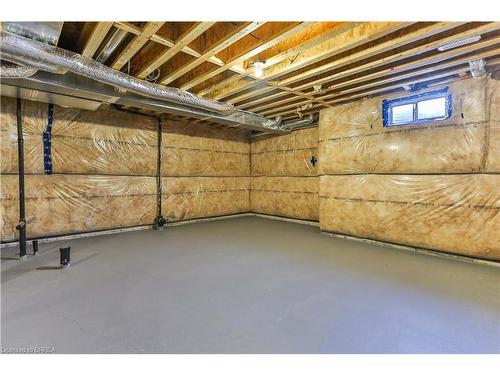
(34, 124)
(59, 204)
(292, 197)
(190, 150)
(455, 213)
(102, 173)
(103, 170)
(107, 141)
(206, 171)
(187, 198)
(284, 175)
(433, 185)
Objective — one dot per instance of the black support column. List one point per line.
(21, 227)
(159, 220)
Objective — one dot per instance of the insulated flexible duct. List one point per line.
(16, 71)
(309, 120)
(42, 56)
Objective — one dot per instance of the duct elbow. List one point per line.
(273, 124)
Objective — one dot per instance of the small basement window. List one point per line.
(429, 106)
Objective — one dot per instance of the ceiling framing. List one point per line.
(307, 65)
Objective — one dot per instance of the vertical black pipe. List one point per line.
(158, 170)
(159, 220)
(20, 162)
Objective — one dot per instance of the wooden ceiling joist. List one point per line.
(234, 36)
(180, 43)
(283, 34)
(367, 68)
(350, 59)
(390, 45)
(390, 59)
(286, 68)
(387, 79)
(308, 66)
(363, 93)
(94, 40)
(127, 26)
(136, 44)
(349, 39)
(289, 53)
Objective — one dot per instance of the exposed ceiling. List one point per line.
(307, 65)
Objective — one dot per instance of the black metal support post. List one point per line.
(159, 220)
(21, 227)
(65, 256)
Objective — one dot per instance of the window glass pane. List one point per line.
(402, 113)
(432, 108)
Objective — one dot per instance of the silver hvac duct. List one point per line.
(111, 45)
(303, 123)
(308, 122)
(30, 52)
(46, 32)
(76, 91)
(16, 71)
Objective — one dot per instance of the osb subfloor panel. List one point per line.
(247, 285)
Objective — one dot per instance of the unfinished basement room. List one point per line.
(250, 187)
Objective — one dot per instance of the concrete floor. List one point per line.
(246, 285)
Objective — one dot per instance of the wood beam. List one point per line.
(385, 47)
(397, 85)
(95, 39)
(289, 53)
(394, 76)
(236, 35)
(282, 35)
(391, 59)
(294, 109)
(182, 42)
(441, 56)
(169, 43)
(136, 44)
(412, 74)
(128, 27)
(362, 34)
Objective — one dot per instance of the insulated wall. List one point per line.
(103, 170)
(284, 175)
(205, 171)
(434, 185)
(104, 167)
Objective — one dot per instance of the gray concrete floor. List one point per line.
(246, 285)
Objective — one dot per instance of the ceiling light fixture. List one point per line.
(258, 67)
(459, 43)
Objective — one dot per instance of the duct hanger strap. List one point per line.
(30, 52)
(47, 142)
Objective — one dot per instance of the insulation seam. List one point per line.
(113, 141)
(287, 150)
(286, 191)
(485, 207)
(473, 124)
(203, 191)
(66, 197)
